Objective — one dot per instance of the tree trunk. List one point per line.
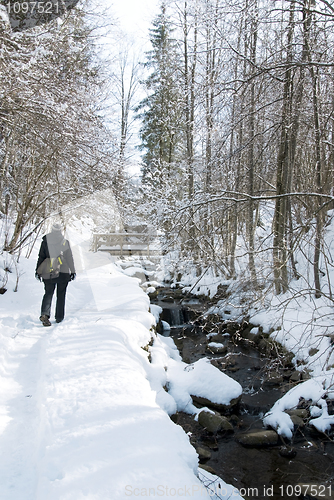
(285, 166)
(189, 87)
(251, 125)
(308, 19)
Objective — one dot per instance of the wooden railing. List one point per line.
(123, 243)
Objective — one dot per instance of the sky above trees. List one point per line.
(135, 16)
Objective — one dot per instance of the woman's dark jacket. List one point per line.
(51, 247)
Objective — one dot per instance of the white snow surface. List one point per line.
(316, 390)
(184, 380)
(83, 413)
(215, 344)
(200, 379)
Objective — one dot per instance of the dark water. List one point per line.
(259, 473)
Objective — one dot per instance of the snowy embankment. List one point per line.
(298, 321)
(304, 325)
(305, 328)
(80, 414)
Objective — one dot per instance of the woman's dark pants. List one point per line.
(49, 287)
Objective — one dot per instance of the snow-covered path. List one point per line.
(20, 366)
(103, 427)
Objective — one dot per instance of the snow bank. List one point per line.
(184, 380)
(314, 391)
(200, 379)
(304, 325)
(105, 435)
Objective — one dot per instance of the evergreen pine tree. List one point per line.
(161, 111)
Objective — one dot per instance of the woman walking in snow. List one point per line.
(55, 266)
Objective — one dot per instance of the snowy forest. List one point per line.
(54, 144)
(236, 132)
(217, 138)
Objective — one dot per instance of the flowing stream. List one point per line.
(258, 472)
